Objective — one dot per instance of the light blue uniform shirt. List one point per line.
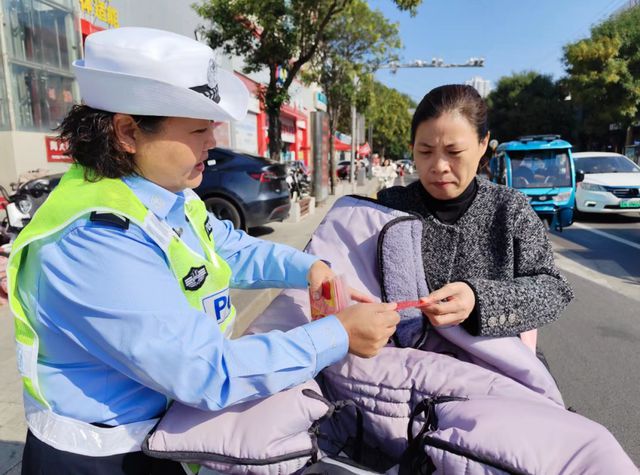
(118, 337)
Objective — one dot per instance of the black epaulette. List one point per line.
(110, 219)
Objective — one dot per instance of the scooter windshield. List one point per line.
(540, 168)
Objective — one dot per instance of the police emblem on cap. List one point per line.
(211, 89)
(195, 278)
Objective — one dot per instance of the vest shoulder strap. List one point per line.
(110, 219)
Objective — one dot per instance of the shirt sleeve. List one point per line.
(111, 292)
(256, 263)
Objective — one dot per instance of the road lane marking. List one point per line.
(569, 263)
(613, 237)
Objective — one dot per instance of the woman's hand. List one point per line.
(449, 305)
(320, 272)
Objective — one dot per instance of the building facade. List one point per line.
(483, 86)
(40, 39)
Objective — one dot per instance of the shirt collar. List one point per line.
(159, 200)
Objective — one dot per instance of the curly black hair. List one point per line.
(92, 141)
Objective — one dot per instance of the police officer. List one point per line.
(120, 284)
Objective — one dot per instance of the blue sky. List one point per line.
(512, 36)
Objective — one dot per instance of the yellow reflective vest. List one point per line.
(204, 283)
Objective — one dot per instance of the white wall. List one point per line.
(7, 164)
(22, 152)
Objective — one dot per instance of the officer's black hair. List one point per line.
(92, 141)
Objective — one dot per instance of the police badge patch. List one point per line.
(195, 278)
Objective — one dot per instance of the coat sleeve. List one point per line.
(535, 296)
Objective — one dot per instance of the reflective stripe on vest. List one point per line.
(204, 282)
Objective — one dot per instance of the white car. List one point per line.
(611, 183)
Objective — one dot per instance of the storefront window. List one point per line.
(40, 32)
(42, 43)
(4, 102)
(41, 98)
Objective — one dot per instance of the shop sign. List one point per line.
(281, 76)
(364, 149)
(102, 11)
(287, 130)
(56, 149)
(320, 101)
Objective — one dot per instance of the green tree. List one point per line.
(389, 112)
(529, 103)
(604, 75)
(355, 43)
(279, 35)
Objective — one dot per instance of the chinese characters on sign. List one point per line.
(101, 10)
(56, 149)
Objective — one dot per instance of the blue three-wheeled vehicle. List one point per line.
(541, 167)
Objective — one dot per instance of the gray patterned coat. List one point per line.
(500, 248)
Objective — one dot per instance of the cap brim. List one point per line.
(126, 94)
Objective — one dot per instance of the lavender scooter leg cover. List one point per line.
(270, 436)
(494, 434)
(390, 385)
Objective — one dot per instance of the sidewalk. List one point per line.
(249, 304)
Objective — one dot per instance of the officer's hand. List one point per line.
(318, 273)
(321, 272)
(369, 326)
(449, 305)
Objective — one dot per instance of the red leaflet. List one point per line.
(326, 290)
(409, 303)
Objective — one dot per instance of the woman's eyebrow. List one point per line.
(455, 144)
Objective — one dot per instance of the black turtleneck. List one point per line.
(449, 211)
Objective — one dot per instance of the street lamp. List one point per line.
(434, 63)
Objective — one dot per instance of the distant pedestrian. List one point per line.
(386, 174)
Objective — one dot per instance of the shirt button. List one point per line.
(512, 318)
(493, 321)
(503, 319)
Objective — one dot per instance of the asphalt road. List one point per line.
(594, 349)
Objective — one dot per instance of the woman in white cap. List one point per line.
(120, 284)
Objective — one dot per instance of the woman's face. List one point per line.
(174, 156)
(447, 151)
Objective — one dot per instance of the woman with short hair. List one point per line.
(120, 283)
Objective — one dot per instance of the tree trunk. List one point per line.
(275, 137)
(272, 103)
(629, 138)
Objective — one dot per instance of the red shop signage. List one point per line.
(56, 149)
